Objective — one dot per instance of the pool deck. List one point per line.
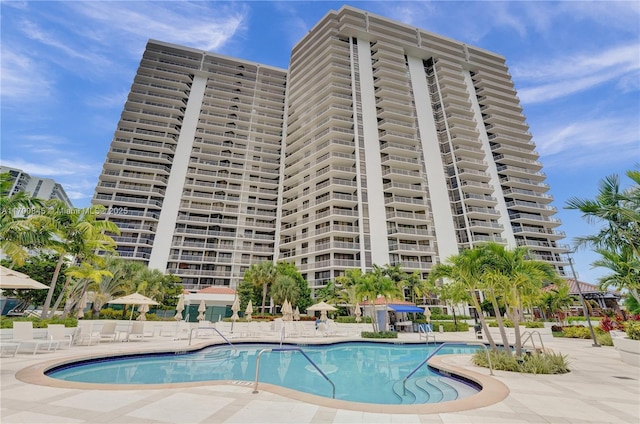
(599, 389)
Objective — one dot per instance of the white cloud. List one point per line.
(188, 23)
(21, 77)
(548, 80)
(590, 142)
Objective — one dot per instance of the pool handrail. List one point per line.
(282, 334)
(289, 349)
(208, 328)
(529, 336)
(422, 330)
(432, 354)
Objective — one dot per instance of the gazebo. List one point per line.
(605, 299)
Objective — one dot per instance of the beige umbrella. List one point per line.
(142, 310)
(296, 314)
(248, 311)
(235, 308)
(10, 279)
(202, 308)
(427, 314)
(323, 307)
(179, 308)
(134, 299)
(358, 313)
(286, 307)
(82, 303)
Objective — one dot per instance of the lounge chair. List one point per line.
(85, 335)
(108, 331)
(23, 333)
(57, 333)
(137, 331)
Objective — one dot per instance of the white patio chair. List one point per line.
(23, 333)
(85, 335)
(108, 332)
(58, 333)
(137, 331)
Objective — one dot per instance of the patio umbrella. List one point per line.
(10, 279)
(142, 309)
(358, 313)
(235, 308)
(286, 308)
(202, 308)
(179, 308)
(427, 314)
(134, 299)
(296, 314)
(82, 303)
(323, 307)
(248, 311)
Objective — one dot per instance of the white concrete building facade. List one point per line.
(381, 144)
(41, 188)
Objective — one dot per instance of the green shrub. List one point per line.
(632, 328)
(352, 320)
(39, 323)
(449, 326)
(581, 318)
(576, 332)
(507, 323)
(604, 339)
(534, 324)
(380, 335)
(533, 363)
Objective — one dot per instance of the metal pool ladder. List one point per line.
(208, 328)
(432, 354)
(289, 349)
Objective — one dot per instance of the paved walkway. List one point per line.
(599, 389)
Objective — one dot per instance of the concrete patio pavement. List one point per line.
(599, 389)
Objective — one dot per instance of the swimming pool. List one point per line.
(361, 371)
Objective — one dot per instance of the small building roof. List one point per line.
(586, 288)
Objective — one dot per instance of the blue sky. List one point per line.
(67, 68)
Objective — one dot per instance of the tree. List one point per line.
(558, 299)
(465, 272)
(83, 274)
(22, 225)
(376, 284)
(513, 276)
(303, 299)
(262, 275)
(81, 236)
(284, 288)
(618, 213)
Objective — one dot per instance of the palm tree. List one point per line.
(619, 212)
(512, 274)
(465, 272)
(626, 270)
(558, 299)
(263, 275)
(22, 224)
(285, 287)
(84, 274)
(373, 285)
(123, 274)
(81, 236)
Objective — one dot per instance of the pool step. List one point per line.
(429, 390)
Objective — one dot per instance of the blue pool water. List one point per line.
(361, 372)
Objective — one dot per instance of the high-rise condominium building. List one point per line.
(381, 144)
(41, 188)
